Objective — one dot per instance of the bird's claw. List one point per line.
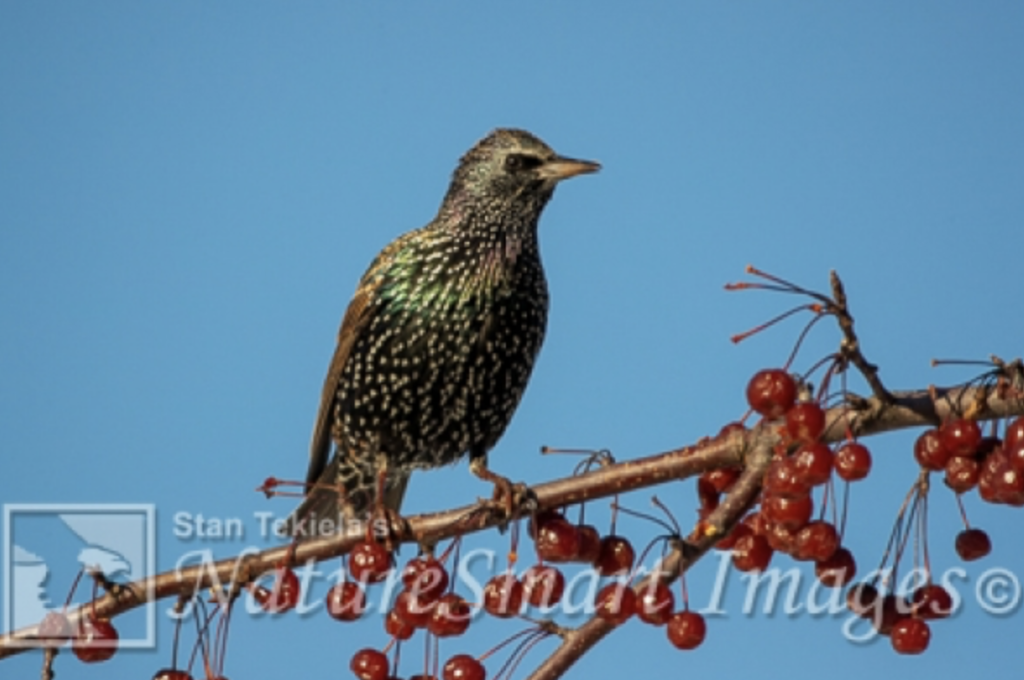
(393, 524)
(510, 501)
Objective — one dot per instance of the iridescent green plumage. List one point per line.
(437, 346)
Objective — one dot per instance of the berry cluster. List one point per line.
(993, 466)
(785, 520)
(617, 601)
(93, 640)
(427, 601)
(903, 618)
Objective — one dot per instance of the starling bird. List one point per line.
(438, 343)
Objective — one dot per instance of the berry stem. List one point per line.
(506, 642)
(818, 316)
(684, 592)
(179, 606)
(740, 337)
(651, 518)
(923, 538)
(220, 638)
(963, 511)
(396, 661)
(202, 618)
(842, 517)
(74, 587)
(520, 652)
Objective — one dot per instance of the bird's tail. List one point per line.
(342, 500)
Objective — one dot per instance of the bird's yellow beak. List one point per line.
(559, 168)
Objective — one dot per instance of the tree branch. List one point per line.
(747, 450)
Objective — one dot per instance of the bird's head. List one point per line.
(509, 173)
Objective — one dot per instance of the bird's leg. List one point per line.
(509, 495)
(345, 503)
(393, 521)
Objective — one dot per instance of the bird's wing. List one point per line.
(357, 318)
(320, 447)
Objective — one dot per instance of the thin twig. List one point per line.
(850, 345)
(49, 654)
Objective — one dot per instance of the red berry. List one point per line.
(686, 630)
(853, 462)
(730, 428)
(369, 562)
(972, 544)
(654, 605)
(1000, 481)
(793, 513)
(172, 674)
(346, 601)
(615, 603)
(463, 667)
(960, 437)
(782, 480)
(369, 664)
(757, 523)
(95, 640)
(287, 590)
(781, 538)
(1015, 454)
(54, 628)
(285, 593)
(989, 486)
(425, 578)
(910, 636)
(1010, 485)
(1014, 433)
(707, 494)
(557, 541)
(932, 601)
(817, 541)
(813, 463)
(397, 627)
(450, 617)
(590, 544)
(862, 599)
(752, 553)
(542, 518)
(771, 392)
(962, 473)
(722, 479)
(503, 596)
(838, 570)
(615, 557)
(929, 450)
(543, 585)
(412, 610)
(728, 542)
(894, 609)
(805, 422)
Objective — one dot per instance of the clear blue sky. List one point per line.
(190, 190)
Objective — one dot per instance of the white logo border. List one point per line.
(146, 509)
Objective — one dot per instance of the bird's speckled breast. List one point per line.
(447, 355)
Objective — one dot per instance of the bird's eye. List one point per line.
(517, 161)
